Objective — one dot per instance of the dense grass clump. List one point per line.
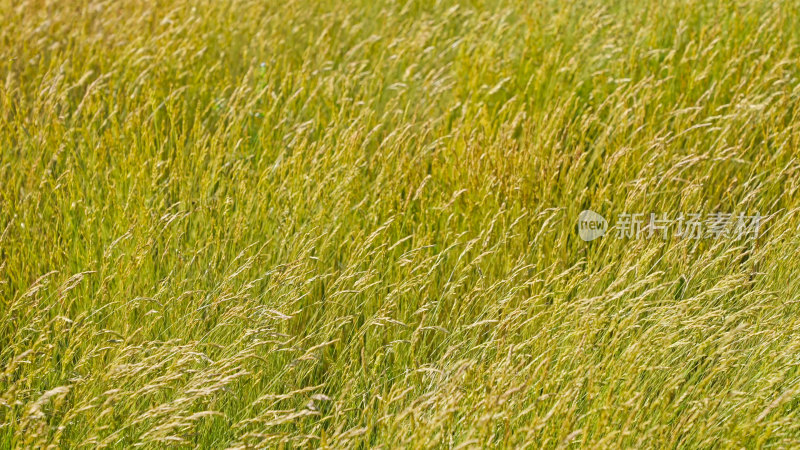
(250, 223)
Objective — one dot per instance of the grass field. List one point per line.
(247, 223)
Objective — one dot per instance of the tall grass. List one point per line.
(352, 224)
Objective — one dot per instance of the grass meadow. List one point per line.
(353, 224)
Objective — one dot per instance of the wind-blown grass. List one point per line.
(352, 224)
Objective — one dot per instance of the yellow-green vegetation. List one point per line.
(239, 223)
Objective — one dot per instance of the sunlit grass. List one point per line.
(353, 224)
